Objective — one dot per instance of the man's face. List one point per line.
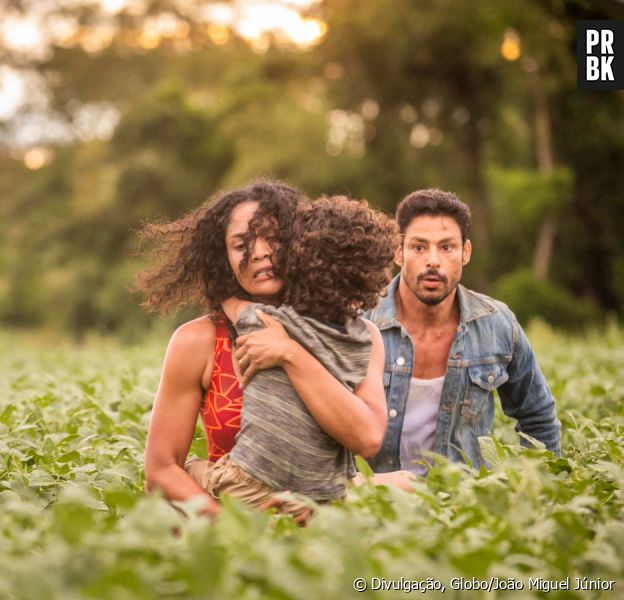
(431, 257)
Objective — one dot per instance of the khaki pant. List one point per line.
(226, 477)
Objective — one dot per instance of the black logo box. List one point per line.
(584, 79)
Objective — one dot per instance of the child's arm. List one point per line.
(233, 307)
(357, 419)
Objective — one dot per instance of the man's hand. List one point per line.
(399, 479)
(262, 349)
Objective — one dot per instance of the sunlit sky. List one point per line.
(260, 22)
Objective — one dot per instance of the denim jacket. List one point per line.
(489, 352)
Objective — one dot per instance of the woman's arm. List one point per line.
(189, 356)
(355, 419)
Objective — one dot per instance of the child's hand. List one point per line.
(301, 517)
(262, 349)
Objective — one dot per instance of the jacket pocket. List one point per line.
(482, 381)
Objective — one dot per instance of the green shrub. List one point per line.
(529, 298)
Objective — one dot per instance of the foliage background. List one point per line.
(140, 110)
(74, 523)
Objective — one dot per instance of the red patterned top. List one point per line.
(221, 408)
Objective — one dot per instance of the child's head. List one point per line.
(339, 259)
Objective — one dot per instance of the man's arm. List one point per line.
(527, 398)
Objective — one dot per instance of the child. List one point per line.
(338, 264)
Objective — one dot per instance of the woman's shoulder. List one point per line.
(191, 349)
(196, 330)
(194, 338)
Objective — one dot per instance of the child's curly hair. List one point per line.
(340, 258)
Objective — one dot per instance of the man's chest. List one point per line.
(431, 354)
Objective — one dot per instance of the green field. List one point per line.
(75, 524)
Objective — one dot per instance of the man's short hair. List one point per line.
(433, 202)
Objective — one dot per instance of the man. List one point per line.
(448, 348)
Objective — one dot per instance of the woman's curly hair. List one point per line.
(191, 257)
(340, 258)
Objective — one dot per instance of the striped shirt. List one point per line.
(279, 442)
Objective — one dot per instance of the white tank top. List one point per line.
(419, 424)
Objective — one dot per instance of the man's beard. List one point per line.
(432, 297)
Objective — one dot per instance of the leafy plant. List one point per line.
(74, 522)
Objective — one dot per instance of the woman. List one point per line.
(232, 246)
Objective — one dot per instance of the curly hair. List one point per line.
(191, 257)
(339, 260)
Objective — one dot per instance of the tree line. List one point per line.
(477, 98)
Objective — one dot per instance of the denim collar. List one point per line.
(472, 305)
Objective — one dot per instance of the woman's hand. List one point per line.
(262, 349)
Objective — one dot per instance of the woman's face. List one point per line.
(256, 277)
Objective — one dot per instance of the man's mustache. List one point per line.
(432, 273)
